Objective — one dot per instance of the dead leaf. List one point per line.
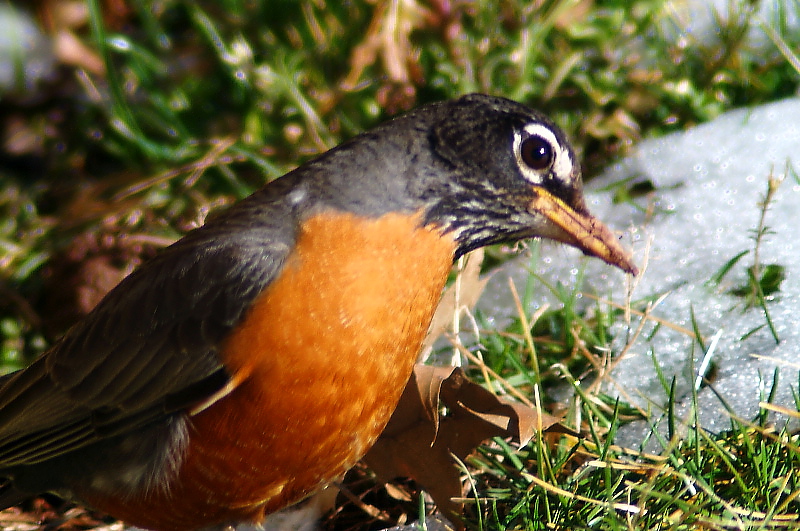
(66, 21)
(418, 441)
(389, 37)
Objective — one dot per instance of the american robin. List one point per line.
(261, 355)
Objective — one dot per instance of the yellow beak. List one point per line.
(583, 231)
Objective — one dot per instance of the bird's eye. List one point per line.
(536, 152)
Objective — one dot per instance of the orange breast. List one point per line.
(319, 365)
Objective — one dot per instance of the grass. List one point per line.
(176, 108)
(681, 476)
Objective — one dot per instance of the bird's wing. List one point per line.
(151, 346)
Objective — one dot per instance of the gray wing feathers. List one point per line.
(150, 346)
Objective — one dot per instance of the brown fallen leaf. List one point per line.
(420, 443)
(388, 37)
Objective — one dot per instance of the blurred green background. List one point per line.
(124, 123)
(151, 114)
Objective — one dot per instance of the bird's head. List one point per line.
(510, 174)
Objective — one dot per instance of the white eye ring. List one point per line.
(561, 164)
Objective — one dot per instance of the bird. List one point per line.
(259, 357)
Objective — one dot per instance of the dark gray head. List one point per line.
(484, 169)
